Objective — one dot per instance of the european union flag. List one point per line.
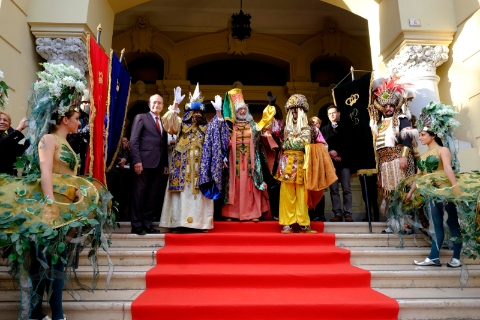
(117, 108)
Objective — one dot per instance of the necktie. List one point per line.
(158, 125)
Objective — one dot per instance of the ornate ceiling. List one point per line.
(292, 20)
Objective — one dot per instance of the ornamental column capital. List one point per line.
(71, 51)
(417, 58)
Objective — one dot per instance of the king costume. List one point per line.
(291, 173)
(184, 204)
(393, 134)
(246, 196)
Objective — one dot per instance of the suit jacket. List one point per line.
(10, 150)
(147, 145)
(339, 140)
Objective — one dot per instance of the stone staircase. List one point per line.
(422, 292)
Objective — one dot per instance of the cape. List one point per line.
(214, 152)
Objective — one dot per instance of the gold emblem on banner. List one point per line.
(100, 77)
(352, 100)
(118, 86)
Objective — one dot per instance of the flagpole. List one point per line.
(352, 71)
(121, 55)
(99, 33)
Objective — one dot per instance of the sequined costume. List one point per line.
(184, 204)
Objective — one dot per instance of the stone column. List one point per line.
(418, 65)
(71, 51)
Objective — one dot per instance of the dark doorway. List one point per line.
(148, 67)
(328, 70)
(249, 72)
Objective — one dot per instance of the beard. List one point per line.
(241, 116)
(199, 119)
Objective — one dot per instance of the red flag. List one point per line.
(98, 70)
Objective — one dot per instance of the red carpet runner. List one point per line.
(251, 271)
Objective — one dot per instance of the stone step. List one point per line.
(383, 276)
(342, 240)
(415, 303)
(436, 303)
(412, 276)
(377, 240)
(396, 256)
(353, 227)
(104, 305)
(133, 240)
(330, 227)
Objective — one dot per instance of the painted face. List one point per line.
(425, 138)
(73, 123)
(4, 123)
(156, 104)
(295, 113)
(333, 115)
(389, 110)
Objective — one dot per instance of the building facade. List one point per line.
(302, 47)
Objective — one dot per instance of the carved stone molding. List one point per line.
(417, 58)
(72, 51)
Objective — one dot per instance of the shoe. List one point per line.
(337, 219)
(46, 318)
(348, 218)
(139, 232)
(307, 229)
(151, 230)
(388, 230)
(427, 262)
(454, 263)
(286, 230)
(255, 220)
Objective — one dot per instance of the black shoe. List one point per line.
(138, 231)
(151, 230)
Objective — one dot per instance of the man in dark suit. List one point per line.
(148, 147)
(337, 135)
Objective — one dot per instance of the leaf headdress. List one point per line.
(58, 90)
(439, 118)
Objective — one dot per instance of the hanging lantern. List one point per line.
(241, 25)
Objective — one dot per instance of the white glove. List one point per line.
(218, 103)
(177, 92)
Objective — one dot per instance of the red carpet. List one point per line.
(250, 271)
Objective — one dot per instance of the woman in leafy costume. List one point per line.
(439, 188)
(436, 158)
(56, 156)
(49, 214)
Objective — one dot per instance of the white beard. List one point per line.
(246, 117)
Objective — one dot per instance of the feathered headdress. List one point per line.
(390, 92)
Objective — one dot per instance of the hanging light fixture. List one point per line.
(241, 25)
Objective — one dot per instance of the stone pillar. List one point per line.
(71, 51)
(418, 65)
